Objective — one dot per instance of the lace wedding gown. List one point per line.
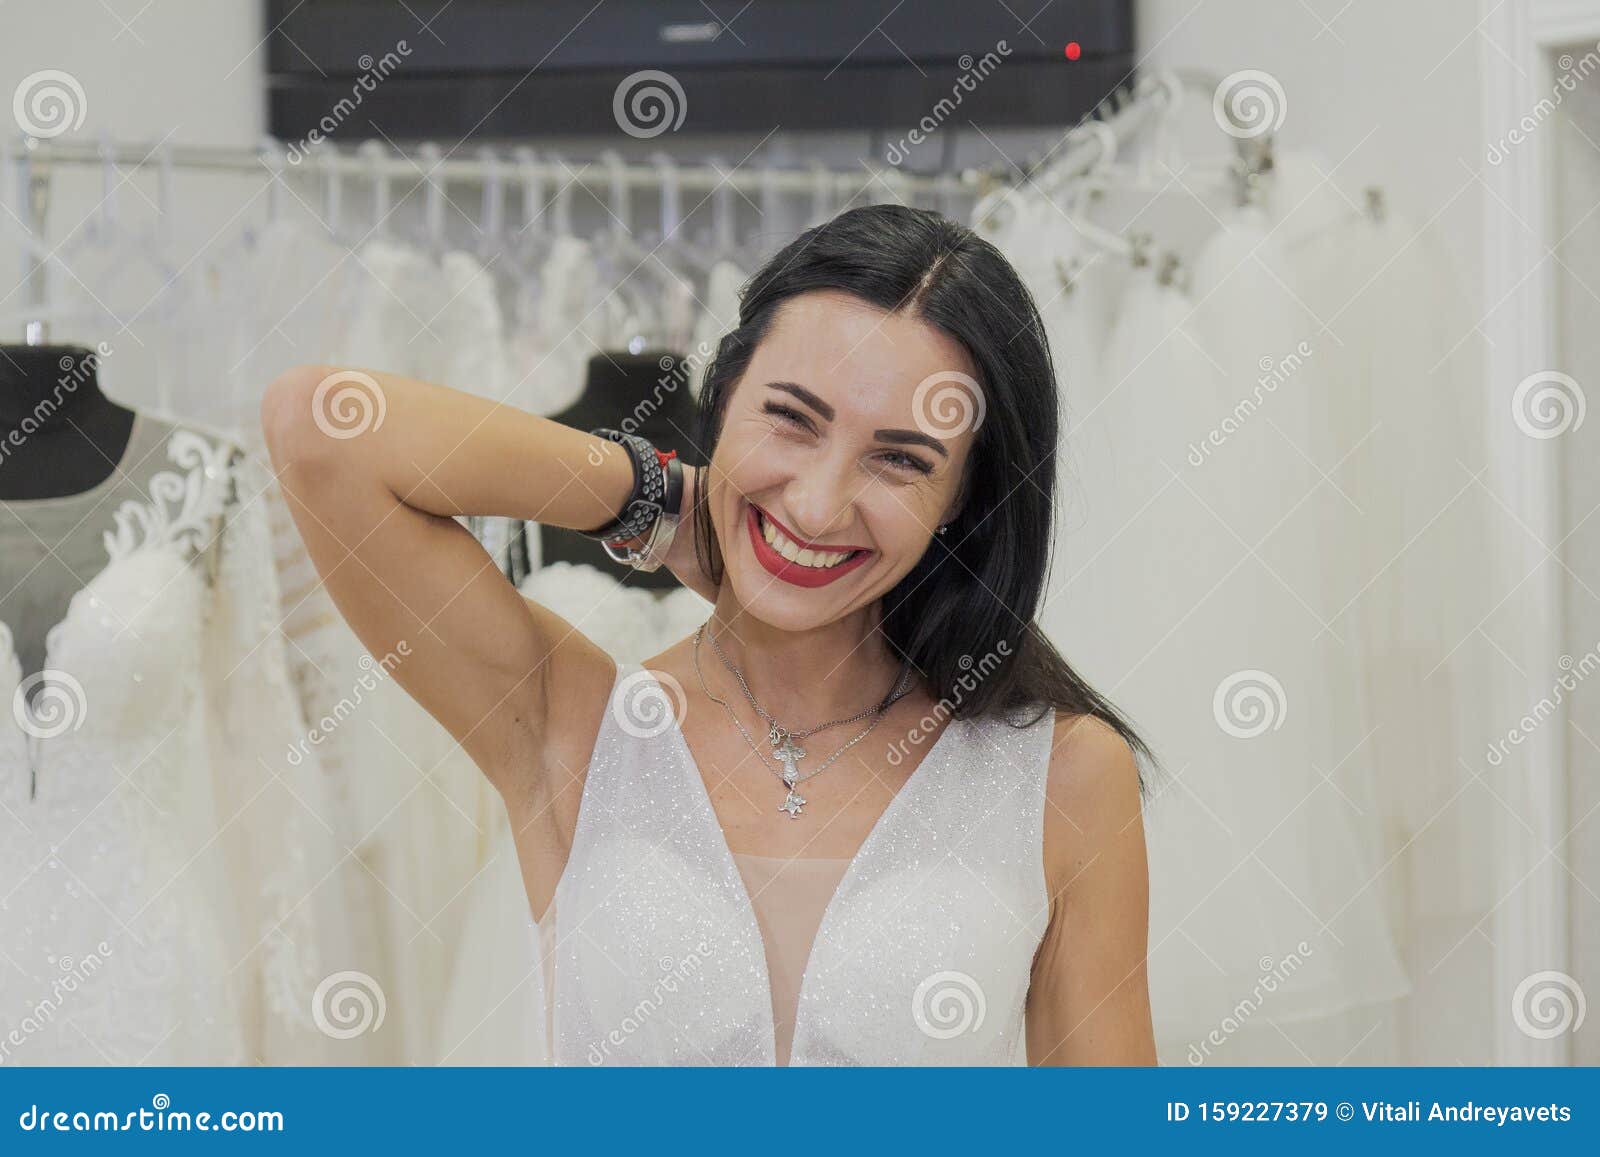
(160, 857)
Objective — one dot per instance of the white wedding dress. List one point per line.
(1187, 563)
(161, 859)
(1274, 826)
(922, 955)
(1406, 368)
(494, 1009)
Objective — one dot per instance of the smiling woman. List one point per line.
(873, 528)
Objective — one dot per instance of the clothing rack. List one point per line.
(1127, 112)
(36, 161)
(1124, 113)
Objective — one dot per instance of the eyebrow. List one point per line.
(805, 396)
(903, 437)
(910, 437)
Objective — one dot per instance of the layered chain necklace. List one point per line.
(781, 738)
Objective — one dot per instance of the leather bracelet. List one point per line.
(653, 553)
(644, 503)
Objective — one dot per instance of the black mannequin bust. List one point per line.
(645, 394)
(59, 434)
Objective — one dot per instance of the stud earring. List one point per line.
(944, 528)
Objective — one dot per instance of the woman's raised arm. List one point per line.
(374, 466)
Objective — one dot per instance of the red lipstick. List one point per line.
(792, 572)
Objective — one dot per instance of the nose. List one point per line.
(819, 500)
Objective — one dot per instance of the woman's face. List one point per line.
(846, 439)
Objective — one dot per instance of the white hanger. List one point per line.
(332, 192)
(432, 200)
(821, 193)
(373, 153)
(493, 212)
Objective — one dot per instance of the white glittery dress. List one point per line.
(921, 956)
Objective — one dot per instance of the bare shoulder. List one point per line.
(1092, 802)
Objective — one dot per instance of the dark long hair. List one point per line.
(964, 614)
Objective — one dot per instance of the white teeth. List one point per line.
(791, 550)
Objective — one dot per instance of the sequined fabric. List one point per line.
(922, 956)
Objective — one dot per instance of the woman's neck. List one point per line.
(803, 677)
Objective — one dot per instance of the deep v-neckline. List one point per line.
(836, 900)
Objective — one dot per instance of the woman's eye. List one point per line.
(786, 413)
(908, 461)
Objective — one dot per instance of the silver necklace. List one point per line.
(782, 738)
